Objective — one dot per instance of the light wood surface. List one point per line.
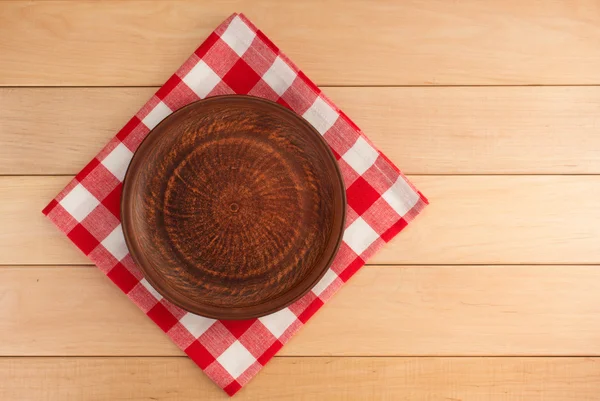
(434, 130)
(383, 42)
(411, 310)
(491, 108)
(471, 220)
(408, 379)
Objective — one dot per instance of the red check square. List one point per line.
(83, 239)
(122, 278)
(200, 355)
(162, 317)
(361, 195)
(241, 78)
(112, 201)
(238, 327)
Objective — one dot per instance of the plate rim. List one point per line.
(231, 313)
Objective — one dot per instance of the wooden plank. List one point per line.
(376, 42)
(436, 130)
(502, 220)
(59, 130)
(471, 220)
(26, 236)
(383, 311)
(432, 379)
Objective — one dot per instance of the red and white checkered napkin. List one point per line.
(237, 58)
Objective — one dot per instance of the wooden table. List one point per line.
(491, 107)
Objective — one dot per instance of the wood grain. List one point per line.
(26, 235)
(432, 379)
(382, 311)
(380, 42)
(471, 220)
(502, 219)
(70, 127)
(434, 130)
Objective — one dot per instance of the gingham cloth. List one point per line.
(237, 58)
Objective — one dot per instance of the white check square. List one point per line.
(150, 289)
(322, 285)
(321, 115)
(279, 76)
(118, 160)
(359, 236)
(158, 113)
(196, 325)
(277, 323)
(236, 359)
(238, 36)
(361, 156)
(79, 202)
(115, 243)
(201, 79)
(401, 197)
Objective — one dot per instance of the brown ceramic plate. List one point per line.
(233, 207)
